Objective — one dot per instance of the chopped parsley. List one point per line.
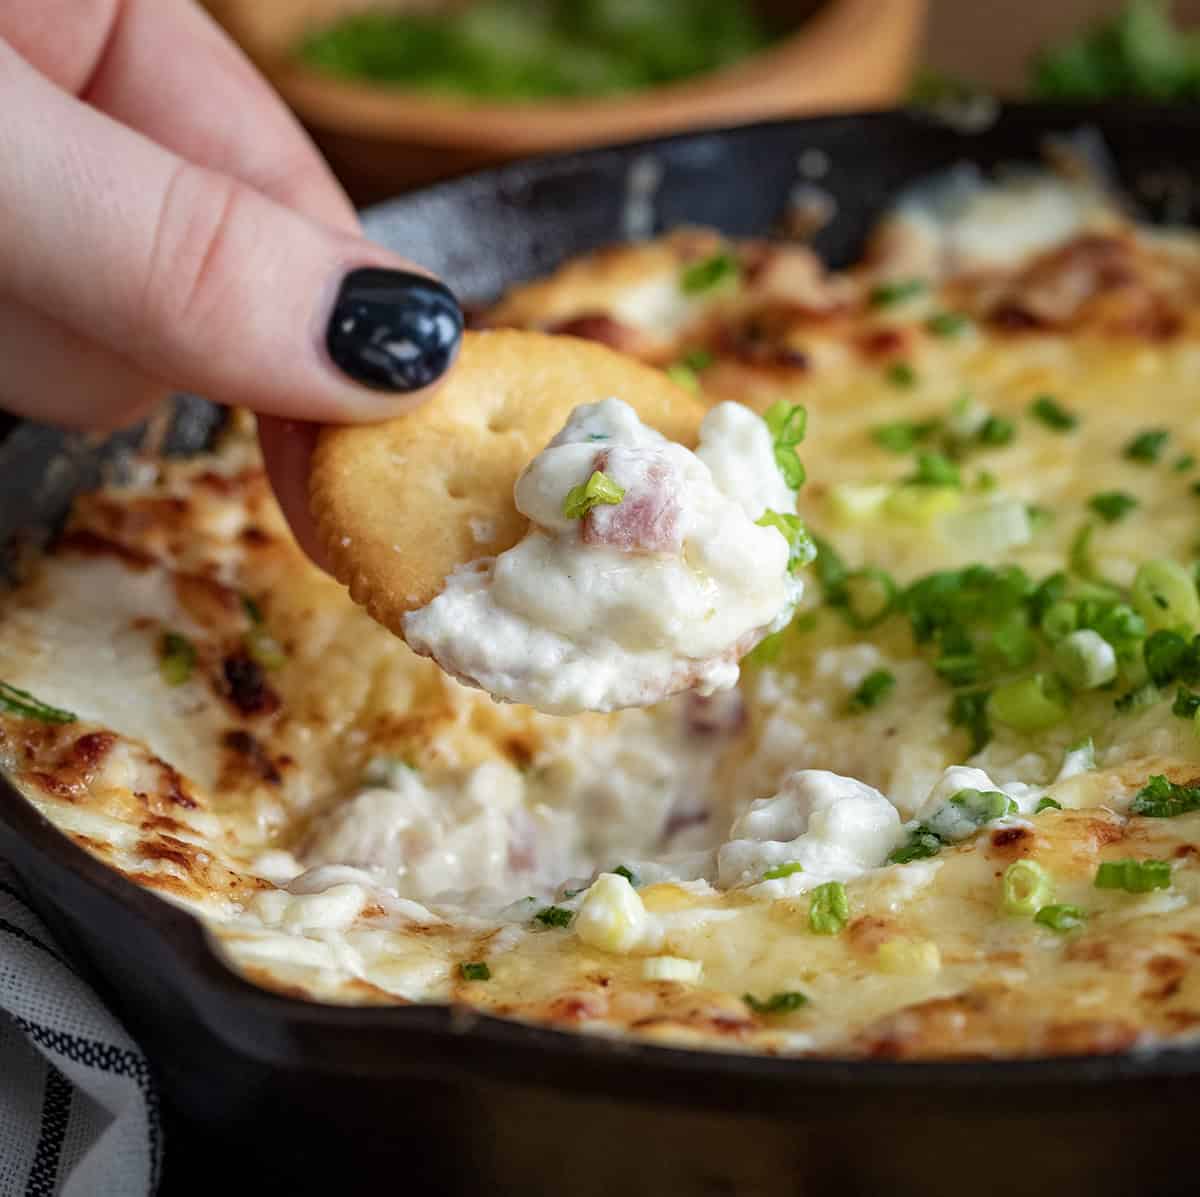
(886, 295)
(1183, 463)
(554, 916)
(1051, 413)
(599, 488)
(23, 704)
(476, 970)
(1046, 804)
(829, 910)
(901, 374)
(708, 273)
(778, 1003)
(1112, 505)
(783, 870)
(1163, 799)
(1186, 704)
(1061, 917)
(1147, 446)
(1134, 876)
(872, 690)
(786, 423)
(948, 324)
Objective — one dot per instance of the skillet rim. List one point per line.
(445, 1034)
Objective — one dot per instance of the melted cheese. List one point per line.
(354, 826)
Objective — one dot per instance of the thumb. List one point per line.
(198, 280)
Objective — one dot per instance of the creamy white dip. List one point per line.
(662, 590)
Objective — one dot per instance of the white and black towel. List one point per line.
(78, 1109)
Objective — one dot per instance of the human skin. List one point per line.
(168, 225)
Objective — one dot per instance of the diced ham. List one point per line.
(647, 519)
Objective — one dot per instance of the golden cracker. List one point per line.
(400, 505)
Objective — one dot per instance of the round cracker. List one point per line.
(400, 505)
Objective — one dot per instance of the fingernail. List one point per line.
(393, 330)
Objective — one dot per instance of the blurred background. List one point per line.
(402, 92)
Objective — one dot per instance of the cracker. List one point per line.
(400, 505)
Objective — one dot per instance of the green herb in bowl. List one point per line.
(536, 49)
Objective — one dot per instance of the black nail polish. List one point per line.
(393, 330)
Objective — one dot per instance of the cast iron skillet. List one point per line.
(429, 1100)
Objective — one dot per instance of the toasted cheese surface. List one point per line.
(885, 842)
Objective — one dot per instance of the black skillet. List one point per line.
(272, 1094)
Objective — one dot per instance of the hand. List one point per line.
(167, 224)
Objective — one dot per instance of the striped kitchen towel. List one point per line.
(78, 1107)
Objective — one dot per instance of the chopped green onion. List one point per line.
(991, 528)
(914, 503)
(829, 911)
(1061, 917)
(176, 658)
(252, 609)
(1112, 505)
(870, 596)
(1060, 620)
(708, 273)
(1169, 657)
(885, 295)
(1186, 704)
(628, 874)
(786, 423)
(1164, 595)
(783, 870)
(802, 549)
(697, 359)
(554, 916)
(1134, 876)
(1050, 412)
(997, 431)
(1141, 696)
(935, 469)
(1147, 446)
(901, 374)
(262, 647)
(872, 690)
(904, 435)
(475, 971)
(599, 488)
(1183, 463)
(777, 1003)
(970, 712)
(1029, 705)
(962, 815)
(1079, 555)
(1026, 887)
(1046, 804)
(920, 845)
(22, 703)
(684, 376)
(1163, 799)
(1086, 660)
(948, 324)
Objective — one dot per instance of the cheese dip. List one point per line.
(647, 569)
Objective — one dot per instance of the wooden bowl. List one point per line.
(840, 54)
